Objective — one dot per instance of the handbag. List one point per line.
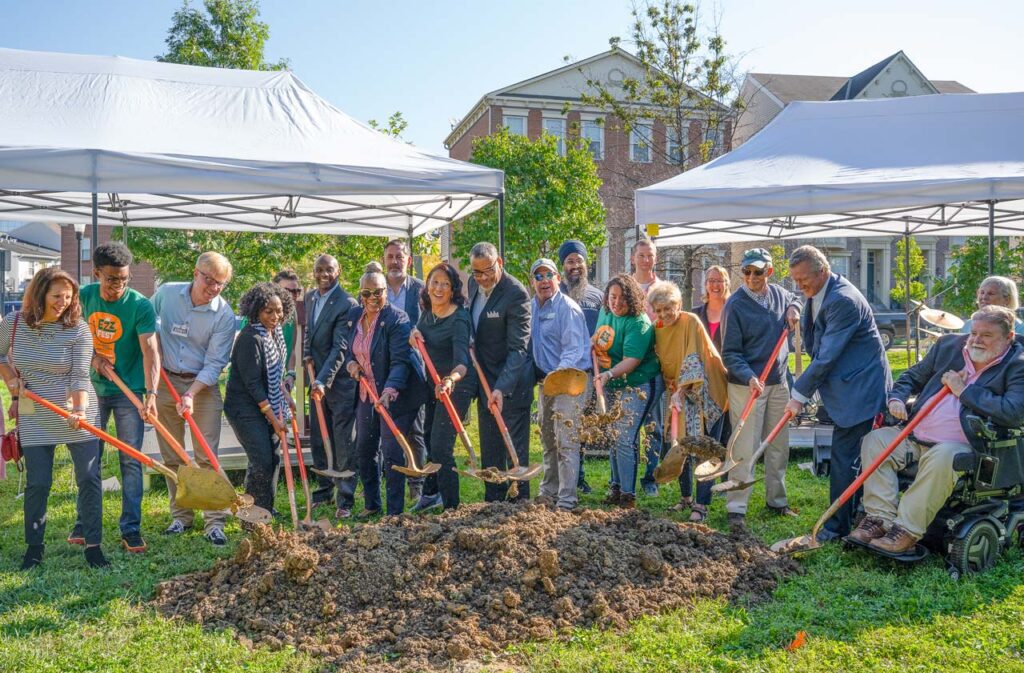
(10, 447)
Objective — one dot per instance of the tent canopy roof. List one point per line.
(184, 146)
(923, 164)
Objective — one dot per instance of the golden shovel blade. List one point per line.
(796, 544)
(671, 466)
(565, 382)
(200, 488)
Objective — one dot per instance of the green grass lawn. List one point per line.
(860, 613)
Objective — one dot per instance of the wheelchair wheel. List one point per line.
(976, 551)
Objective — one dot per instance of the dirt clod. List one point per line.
(438, 593)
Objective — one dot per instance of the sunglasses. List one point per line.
(751, 270)
(366, 294)
(296, 291)
(544, 275)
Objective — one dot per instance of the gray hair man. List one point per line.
(998, 291)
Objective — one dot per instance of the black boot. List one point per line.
(33, 556)
(95, 558)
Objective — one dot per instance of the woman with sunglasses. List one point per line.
(445, 328)
(379, 351)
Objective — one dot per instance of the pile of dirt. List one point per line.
(418, 593)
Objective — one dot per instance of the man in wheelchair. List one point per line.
(985, 373)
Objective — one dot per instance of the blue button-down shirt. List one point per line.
(560, 336)
(193, 339)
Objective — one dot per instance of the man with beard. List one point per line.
(404, 293)
(572, 255)
(324, 344)
(985, 374)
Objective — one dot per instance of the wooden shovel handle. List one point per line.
(321, 421)
(171, 440)
(399, 437)
(506, 437)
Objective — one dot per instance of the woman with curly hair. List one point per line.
(444, 325)
(624, 345)
(255, 395)
(47, 348)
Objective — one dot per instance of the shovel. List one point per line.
(409, 469)
(671, 466)
(518, 472)
(602, 406)
(474, 467)
(712, 469)
(191, 493)
(568, 381)
(289, 481)
(328, 444)
(308, 522)
(809, 542)
(735, 485)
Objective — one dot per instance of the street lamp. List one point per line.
(79, 230)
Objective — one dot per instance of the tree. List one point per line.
(228, 35)
(395, 128)
(687, 77)
(917, 289)
(967, 266)
(548, 198)
(780, 261)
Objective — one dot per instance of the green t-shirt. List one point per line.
(115, 328)
(289, 337)
(633, 338)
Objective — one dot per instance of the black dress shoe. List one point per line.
(33, 556)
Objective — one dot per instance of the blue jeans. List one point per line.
(130, 430)
(623, 457)
(39, 479)
(656, 437)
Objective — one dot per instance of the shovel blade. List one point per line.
(733, 485)
(796, 544)
(524, 472)
(200, 488)
(428, 469)
(721, 470)
(333, 474)
(254, 514)
(320, 524)
(565, 382)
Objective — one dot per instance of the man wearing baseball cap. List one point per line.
(559, 339)
(754, 319)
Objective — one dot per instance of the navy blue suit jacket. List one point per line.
(395, 364)
(848, 364)
(998, 394)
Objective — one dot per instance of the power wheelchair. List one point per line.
(985, 513)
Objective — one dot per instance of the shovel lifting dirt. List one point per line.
(735, 484)
(568, 381)
(601, 405)
(474, 471)
(194, 490)
(810, 542)
(328, 444)
(409, 469)
(671, 466)
(517, 472)
(712, 469)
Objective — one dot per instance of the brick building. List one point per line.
(143, 276)
(551, 103)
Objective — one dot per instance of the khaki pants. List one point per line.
(925, 497)
(207, 407)
(561, 443)
(766, 413)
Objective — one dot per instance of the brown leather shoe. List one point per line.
(612, 497)
(627, 501)
(785, 510)
(870, 528)
(896, 541)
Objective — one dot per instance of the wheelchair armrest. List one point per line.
(965, 462)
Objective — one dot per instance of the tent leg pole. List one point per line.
(95, 221)
(991, 238)
(906, 279)
(501, 226)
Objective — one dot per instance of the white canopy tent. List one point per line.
(119, 141)
(947, 165)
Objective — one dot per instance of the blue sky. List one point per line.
(433, 60)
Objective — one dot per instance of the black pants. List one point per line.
(340, 417)
(844, 464)
(39, 479)
(260, 445)
(378, 450)
(720, 432)
(492, 447)
(440, 435)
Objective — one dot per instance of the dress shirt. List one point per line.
(193, 339)
(320, 300)
(559, 334)
(397, 299)
(478, 304)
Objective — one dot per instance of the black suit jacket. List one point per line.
(501, 339)
(248, 378)
(998, 394)
(395, 364)
(327, 341)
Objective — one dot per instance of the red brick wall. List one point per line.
(143, 276)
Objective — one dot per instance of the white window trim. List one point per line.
(526, 122)
(649, 141)
(885, 271)
(668, 147)
(600, 129)
(562, 139)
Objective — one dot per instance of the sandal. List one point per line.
(684, 504)
(698, 514)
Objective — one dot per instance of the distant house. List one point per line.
(551, 103)
(143, 276)
(867, 262)
(26, 248)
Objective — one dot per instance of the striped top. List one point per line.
(54, 361)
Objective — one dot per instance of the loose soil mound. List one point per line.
(417, 593)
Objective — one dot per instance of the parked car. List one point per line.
(891, 324)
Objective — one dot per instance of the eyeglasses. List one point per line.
(544, 275)
(296, 291)
(117, 280)
(751, 270)
(366, 294)
(211, 281)
(485, 272)
(715, 281)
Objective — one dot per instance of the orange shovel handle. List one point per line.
(446, 399)
(171, 440)
(196, 432)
